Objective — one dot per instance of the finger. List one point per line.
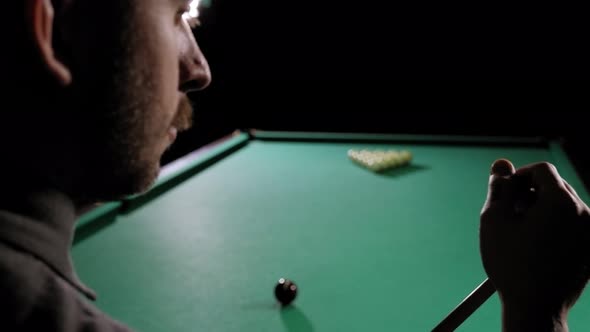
(574, 195)
(513, 193)
(570, 189)
(498, 184)
(540, 176)
(499, 189)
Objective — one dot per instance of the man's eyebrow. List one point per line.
(184, 2)
(181, 3)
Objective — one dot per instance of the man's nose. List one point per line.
(194, 69)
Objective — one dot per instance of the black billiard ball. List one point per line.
(285, 291)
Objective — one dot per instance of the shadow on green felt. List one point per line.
(95, 220)
(264, 305)
(295, 320)
(403, 171)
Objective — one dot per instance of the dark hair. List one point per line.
(23, 121)
(19, 58)
(14, 34)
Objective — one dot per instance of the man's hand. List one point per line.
(535, 245)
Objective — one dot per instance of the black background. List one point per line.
(424, 67)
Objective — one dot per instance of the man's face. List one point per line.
(133, 75)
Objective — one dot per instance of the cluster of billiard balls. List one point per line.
(285, 291)
(380, 160)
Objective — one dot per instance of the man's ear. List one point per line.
(40, 20)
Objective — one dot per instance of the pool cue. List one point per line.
(467, 307)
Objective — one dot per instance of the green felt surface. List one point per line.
(370, 252)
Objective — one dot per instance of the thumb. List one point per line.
(498, 187)
(502, 167)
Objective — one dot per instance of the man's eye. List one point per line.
(193, 22)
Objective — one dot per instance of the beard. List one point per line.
(124, 159)
(184, 114)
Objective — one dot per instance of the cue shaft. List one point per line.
(467, 307)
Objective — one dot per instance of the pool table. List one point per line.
(391, 251)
